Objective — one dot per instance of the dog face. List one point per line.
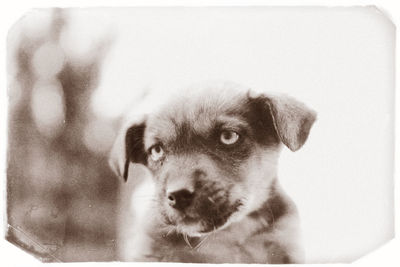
(213, 154)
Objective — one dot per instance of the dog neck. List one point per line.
(274, 208)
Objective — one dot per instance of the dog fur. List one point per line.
(233, 209)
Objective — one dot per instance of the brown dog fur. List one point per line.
(237, 212)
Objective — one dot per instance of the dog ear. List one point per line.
(128, 147)
(292, 119)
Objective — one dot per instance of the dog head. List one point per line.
(213, 153)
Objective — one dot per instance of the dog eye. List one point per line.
(156, 152)
(229, 137)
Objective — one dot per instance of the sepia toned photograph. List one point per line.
(200, 134)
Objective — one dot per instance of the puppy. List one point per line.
(214, 196)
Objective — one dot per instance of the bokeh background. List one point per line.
(74, 73)
(61, 192)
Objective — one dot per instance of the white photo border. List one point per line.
(11, 11)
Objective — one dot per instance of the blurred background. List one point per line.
(74, 73)
(61, 192)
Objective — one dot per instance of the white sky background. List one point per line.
(338, 61)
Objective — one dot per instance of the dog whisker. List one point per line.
(272, 216)
(264, 222)
(198, 246)
(144, 198)
(185, 237)
(170, 231)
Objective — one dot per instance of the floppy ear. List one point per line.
(128, 147)
(292, 119)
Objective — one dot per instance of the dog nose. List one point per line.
(180, 199)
